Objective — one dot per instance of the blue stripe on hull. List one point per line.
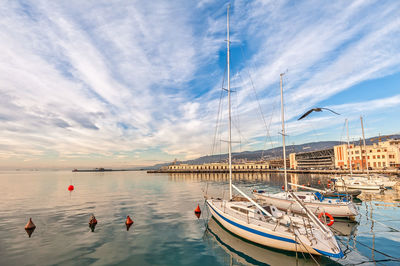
(253, 230)
(333, 255)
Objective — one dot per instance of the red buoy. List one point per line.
(71, 187)
(93, 220)
(319, 182)
(197, 210)
(30, 225)
(328, 185)
(128, 221)
(283, 187)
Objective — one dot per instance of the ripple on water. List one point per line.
(165, 229)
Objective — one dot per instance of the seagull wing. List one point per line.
(330, 110)
(306, 114)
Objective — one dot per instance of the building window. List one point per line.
(357, 152)
(378, 156)
(373, 157)
(378, 150)
(383, 156)
(383, 164)
(374, 164)
(368, 156)
(379, 164)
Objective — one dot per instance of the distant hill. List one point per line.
(269, 154)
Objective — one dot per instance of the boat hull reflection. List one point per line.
(344, 228)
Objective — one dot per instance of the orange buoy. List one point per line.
(331, 220)
(30, 225)
(128, 221)
(197, 210)
(328, 185)
(283, 187)
(93, 220)
(319, 182)
(70, 188)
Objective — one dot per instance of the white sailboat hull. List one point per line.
(262, 235)
(356, 184)
(377, 181)
(336, 210)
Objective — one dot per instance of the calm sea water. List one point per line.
(165, 230)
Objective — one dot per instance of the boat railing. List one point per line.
(249, 218)
(311, 216)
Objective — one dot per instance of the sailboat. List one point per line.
(245, 252)
(269, 226)
(364, 182)
(315, 201)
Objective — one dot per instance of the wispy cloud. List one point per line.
(135, 82)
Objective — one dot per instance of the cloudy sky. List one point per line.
(125, 83)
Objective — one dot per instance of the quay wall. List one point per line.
(297, 171)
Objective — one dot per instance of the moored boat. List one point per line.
(272, 228)
(314, 201)
(279, 230)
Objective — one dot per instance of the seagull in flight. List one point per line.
(317, 109)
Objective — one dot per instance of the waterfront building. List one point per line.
(322, 159)
(380, 155)
(218, 167)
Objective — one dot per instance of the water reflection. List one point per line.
(128, 226)
(384, 196)
(344, 228)
(165, 231)
(30, 231)
(276, 180)
(244, 252)
(359, 239)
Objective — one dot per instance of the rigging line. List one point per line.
(380, 252)
(219, 111)
(267, 128)
(301, 242)
(269, 125)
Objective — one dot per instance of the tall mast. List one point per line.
(229, 104)
(365, 147)
(348, 147)
(283, 136)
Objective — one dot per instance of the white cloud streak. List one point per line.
(114, 81)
